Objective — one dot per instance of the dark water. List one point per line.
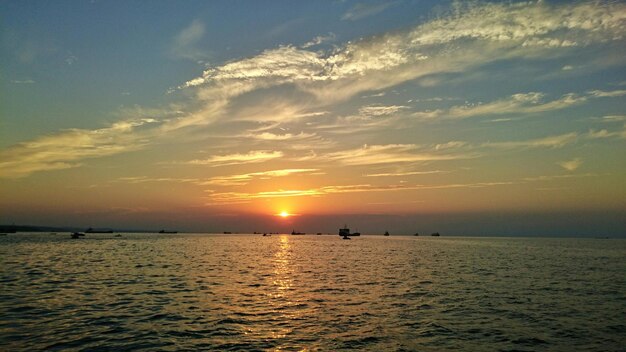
(237, 292)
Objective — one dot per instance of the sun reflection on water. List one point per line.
(283, 280)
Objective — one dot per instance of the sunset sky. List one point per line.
(467, 119)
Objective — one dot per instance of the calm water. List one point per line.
(238, 292)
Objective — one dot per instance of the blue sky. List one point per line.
(249, 108)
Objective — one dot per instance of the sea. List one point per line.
(210, 292)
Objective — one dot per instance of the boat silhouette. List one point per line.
(77, 235)
(164, 231)
(345, 232)
(386, 233)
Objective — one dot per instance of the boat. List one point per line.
(76, 235)
(345, 232)
(227, 232)
(266, 235)
(164, 231)
(92, 230)
(416, 234)
(346, 238)
(293, 232)
(386, 233)
(436, 234)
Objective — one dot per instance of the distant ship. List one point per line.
(386, 233)
(164, 231)
(297, 233)
(436, 234)
(416, 234)
(92, 230)
(345, 232)
(76, 235)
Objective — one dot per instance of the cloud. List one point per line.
(604, 133)
(468, 37)
(185, 43)
(395, 174)
(605, 94)
(374, 110)
(557, 177)
(571, 165)
(363, 10)
(267, 136)
(613, 118)
(522, 103)
(242, 179)
(25, 81)
(547, 142)
(320, 39)
(230, 197)
(255, 156)
(390, 153)
(481, 33)
(65, 149)
(230, 180)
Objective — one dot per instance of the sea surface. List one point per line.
(190, 292)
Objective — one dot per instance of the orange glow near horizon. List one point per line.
(284, 214)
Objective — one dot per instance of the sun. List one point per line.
(283, 214)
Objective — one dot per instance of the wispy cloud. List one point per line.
(228, 197)
(411, 173)
(381, 110)
(472, 36)
(547, 142)
(363, 10)
(66, 149)
(320, 39)
(268, 136)
(185, 44)
(242, 179)
(228, 180)
(390, 153)
(571, 165)
(609, 94)
(516, 104)
(521, 103)
(255, 156)
(23, 81)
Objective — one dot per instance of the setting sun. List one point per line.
(283, 214)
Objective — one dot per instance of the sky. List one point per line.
(466, 118)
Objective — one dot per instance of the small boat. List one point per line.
(436, 234)
(227, 232)
(416, 234)
(76, 235)
(319, 233)
(164, 231)
(266, 235)
(297, 233)
(345, 232)
(386, 233)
